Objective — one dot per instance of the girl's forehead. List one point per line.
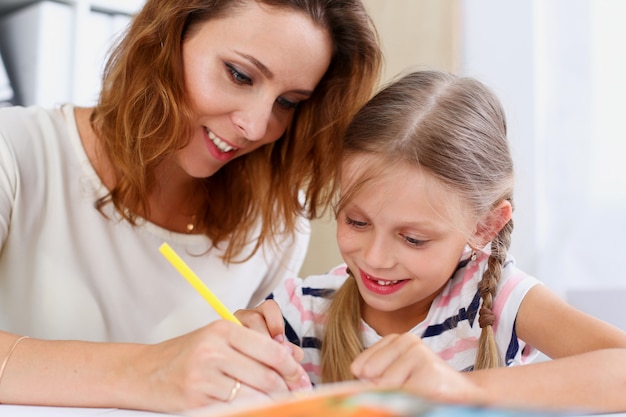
(371, 169)
(368, 178)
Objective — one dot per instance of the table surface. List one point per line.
(7, 410)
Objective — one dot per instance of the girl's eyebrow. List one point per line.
(266, 71)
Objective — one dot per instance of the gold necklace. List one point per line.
(192, 225)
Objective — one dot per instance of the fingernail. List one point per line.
(288, 347)
(279, 338)
(305, 382)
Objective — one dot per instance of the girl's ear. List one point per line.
(489, 227)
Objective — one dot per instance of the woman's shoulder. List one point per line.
(16, 114)
(19, 124)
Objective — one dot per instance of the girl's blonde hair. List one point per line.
(455, 128)
(143, 116)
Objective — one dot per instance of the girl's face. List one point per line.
(402, 235)
(244, 74)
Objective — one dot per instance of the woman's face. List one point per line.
(244, 75)
(402, 235)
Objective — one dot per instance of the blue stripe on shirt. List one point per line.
(452, 322)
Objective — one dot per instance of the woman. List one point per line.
(216, 131)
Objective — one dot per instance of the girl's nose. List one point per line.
(377, 253)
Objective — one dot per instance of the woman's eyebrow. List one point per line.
(266, 71)
(269, 74)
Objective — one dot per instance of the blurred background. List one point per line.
(558, 66)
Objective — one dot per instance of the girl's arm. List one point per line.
(194, 370)
(588, 382)
(557, 329)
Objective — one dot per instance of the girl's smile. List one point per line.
(402, 233)
(381, 286)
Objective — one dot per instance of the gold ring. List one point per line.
(234, 391)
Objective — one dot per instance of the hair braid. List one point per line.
(342, 338)
(487, 355)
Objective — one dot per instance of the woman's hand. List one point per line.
(221, 362)
(405, 362)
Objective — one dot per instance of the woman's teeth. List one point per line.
(219, 143)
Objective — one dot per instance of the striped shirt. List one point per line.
(450, 329)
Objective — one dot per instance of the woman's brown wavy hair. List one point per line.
(143, 115)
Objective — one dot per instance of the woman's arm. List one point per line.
(194, 370)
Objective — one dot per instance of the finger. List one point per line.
(253, 319)
(411, 362)
(273, 319)
(367, 365)
(296, 351)
(266, 364)
(267, 319)
(249, 395)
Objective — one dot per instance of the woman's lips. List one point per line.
(219, 149)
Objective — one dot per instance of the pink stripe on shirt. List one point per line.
(295, 300)
(455, 291)
(503, 295)
(460, 346)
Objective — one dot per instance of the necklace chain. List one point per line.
(191, 226)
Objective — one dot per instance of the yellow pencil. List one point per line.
(195, 282)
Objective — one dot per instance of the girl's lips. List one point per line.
(381, 286)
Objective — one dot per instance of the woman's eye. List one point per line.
(355, 223)
(238, 76)
(286, 104)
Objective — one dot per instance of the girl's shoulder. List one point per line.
(316, 285)
(310, 288)
(465, 281)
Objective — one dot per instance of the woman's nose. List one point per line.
(254, 118)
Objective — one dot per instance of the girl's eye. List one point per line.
(414, 242)
(238, 76)
(355, 223)
(286, 104)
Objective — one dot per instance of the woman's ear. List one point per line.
(489, 227)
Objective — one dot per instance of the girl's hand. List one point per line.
(204, 367)
(268, 319)
(405, 362)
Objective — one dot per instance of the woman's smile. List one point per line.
(219, 148)
(244, 84)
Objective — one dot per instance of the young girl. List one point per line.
(424, 226)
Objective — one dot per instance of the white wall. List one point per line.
(559, 68)
(55, 50)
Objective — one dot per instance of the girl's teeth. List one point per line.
(383, 283)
